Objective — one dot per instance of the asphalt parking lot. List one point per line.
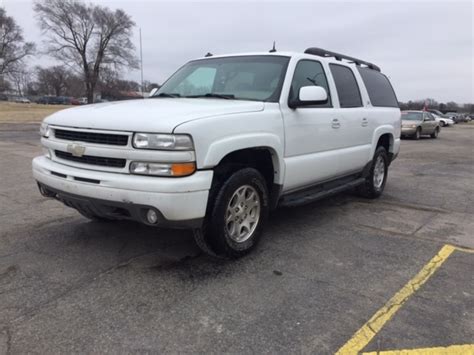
(344, 274)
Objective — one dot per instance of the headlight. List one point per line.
(162, 141)
(162, 169)
(409, 126)
(44, 130)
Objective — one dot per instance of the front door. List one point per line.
(313, 134)
(429, 123)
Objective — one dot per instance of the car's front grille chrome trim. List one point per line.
(92, 160)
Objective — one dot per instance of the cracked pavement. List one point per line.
(68, 285)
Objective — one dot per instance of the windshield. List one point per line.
(257, 78)
(412, 116)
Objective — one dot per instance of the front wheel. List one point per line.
(237, 211)
(417, 134)
(442, 123)
(375, 182)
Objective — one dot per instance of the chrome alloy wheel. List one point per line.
(243, 213)
(379, 172)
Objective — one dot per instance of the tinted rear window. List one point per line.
(346, 85)
(380, 91)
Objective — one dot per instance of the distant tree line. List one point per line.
(58, 80)
(450, 106)
(92, 42)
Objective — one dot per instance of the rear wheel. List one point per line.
(375, 182)
(442, 123)
(435, 133)
(235, 216)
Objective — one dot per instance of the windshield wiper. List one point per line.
(214, 95)
(167, 94)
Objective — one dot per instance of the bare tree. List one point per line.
(13, 48)
(52, 80)
(20, 78)
(4, 84)
(112, 87)
(148, 86)
(88, 37)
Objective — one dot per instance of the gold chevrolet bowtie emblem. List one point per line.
(76, 150)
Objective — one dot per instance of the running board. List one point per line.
(304, 197)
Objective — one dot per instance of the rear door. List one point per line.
(355, 146)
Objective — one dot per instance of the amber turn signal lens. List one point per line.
(183, 169)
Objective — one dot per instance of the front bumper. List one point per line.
(179, 201)
(408, 131)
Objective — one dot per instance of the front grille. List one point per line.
(88, 159)
(89, 137)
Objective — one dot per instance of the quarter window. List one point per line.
(346, 85)
(379, 88)
(309, 73)
(429, 117)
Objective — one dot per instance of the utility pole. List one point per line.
(141, 61)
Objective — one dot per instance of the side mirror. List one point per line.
(310, 95)
(153, 92)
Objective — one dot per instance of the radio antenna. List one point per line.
(273, 50)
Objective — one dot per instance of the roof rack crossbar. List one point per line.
(324, 53)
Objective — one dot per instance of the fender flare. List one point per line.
(379, 131)
(222, 147)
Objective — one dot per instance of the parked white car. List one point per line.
(21, 100)
(443, 121)
(225, 140)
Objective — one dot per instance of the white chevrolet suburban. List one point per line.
(224, 141)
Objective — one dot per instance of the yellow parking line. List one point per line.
(467, 349)
(365, 334)
(464, 250)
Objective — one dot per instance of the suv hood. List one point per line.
(159, 115)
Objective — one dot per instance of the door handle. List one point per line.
(365, 122)
(335, 123)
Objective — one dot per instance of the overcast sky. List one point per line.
(425, 47)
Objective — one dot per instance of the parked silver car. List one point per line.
(418, 123)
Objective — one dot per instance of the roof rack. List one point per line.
(324, 53)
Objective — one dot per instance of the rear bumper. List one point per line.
(179, 201)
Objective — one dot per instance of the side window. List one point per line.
(198, 82)
(429, 116)
(346, 85)
(379, 88)
(309, 73)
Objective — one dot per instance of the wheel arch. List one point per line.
(383, 136)
(242, 146)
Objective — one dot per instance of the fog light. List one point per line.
(162, 169)
(151, 216)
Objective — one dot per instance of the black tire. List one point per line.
(442, 123)
(417, 134)
(368, 189)
(214, 238)
(435, 133)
